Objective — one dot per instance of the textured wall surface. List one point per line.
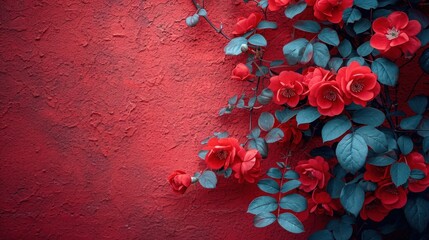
(99, 101)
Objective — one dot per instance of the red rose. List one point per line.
(395, 34)
(373, 209)
(274, 5)
(248, 168)
(358, 83)
(179, 181)
(327, 97)
(222, 152)
(376, 174)
(287, 88)
(391, 196)
(243, 25)
(416, 161)
(313, 75)
(313, 173)
(292, 131)
(321, 203)
(241, 73)
(331, 10)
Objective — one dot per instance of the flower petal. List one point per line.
(380, 42)
(398, 19)
(381, 25)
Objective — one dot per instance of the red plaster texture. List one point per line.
(99, 101)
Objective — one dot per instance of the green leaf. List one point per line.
(262, 204)
(294, 50)
(321, 54)
(400, 173)
(266, 25)
(290, 223)
(290, 185)
(345, 48)
(335, 128)
(369, 116)
(307, 26)
(329, 36)
(405, 144)
(418, 104)
(268, 185)
(352, 152)
(361, 26)
(411, 123)
(366, 4)
(260, 145)
(234, 46)
(294, 202)
(274, 173)
(274, 135)
(351, 15)
(386, 71)
(417, 213)
(258, 40)
(352, 198)
(294, 9)
(266, 121)
(264, 219)
(307, 115)
(208, 179)
(373, 138)
(365, 49)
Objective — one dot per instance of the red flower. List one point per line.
(331, 10)
(243, 25)
(391, 196)
(274, 5)
(358, 83)
(248, 168)
(222, 152)
(321, 203)
(179, 181)
(313, 75)
(313, 173)
(376, 174)
(292, 131)
(241, 73)
(327, 97)
(416, 161)
(287, 88)
(373, 209)
(395, 34)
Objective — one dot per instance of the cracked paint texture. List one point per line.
(100, 100)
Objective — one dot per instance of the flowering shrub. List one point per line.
(371, 173)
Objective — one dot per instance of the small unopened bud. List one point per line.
(191, 21)
(194, 179)
(244, 47)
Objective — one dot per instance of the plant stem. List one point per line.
(281, 182)
(218, 30)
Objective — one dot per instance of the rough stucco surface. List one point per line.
(99, 101)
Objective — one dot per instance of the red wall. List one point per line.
(99, 101)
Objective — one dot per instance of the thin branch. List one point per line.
(218, 30)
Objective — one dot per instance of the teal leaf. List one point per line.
(365, 49)
(335, 128)
(410, 123)
(423, 36)
(351, 15)
(291, 174)
(366, 4)
(260, 145)
(202, 12)
(192, 21)
(202, 154)
(335, 63)
(308, 54)
(265, 97)
(373, 138)
(264, 219)
(417, 174)
(334, 188)
(360, 60)
(345, 48)
(254, 133)
(208, 179)
(234, 46)
(418, 104)
(274, 173)
(352, 198)
(274, 135)
(405, 144)
(387, 71)
(370, 234)
(290, 223)
(258, 40)
(322, 235)
(329, 36)
(424, 61)
(266, 121)
(352, 152)
(290, 185)
(417, 213)
(294, 50)
(307, 115)
(381, 161)
(362, 25)
(269, 185)
(294, 9)
(321, 54)
(307, 26)
(400, 173)
(285, 115)
(294, 202)
(262, 204)
(266, 25)
(369, 116)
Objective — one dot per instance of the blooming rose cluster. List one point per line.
(244, 25)
(325, 90)
(388, 196)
